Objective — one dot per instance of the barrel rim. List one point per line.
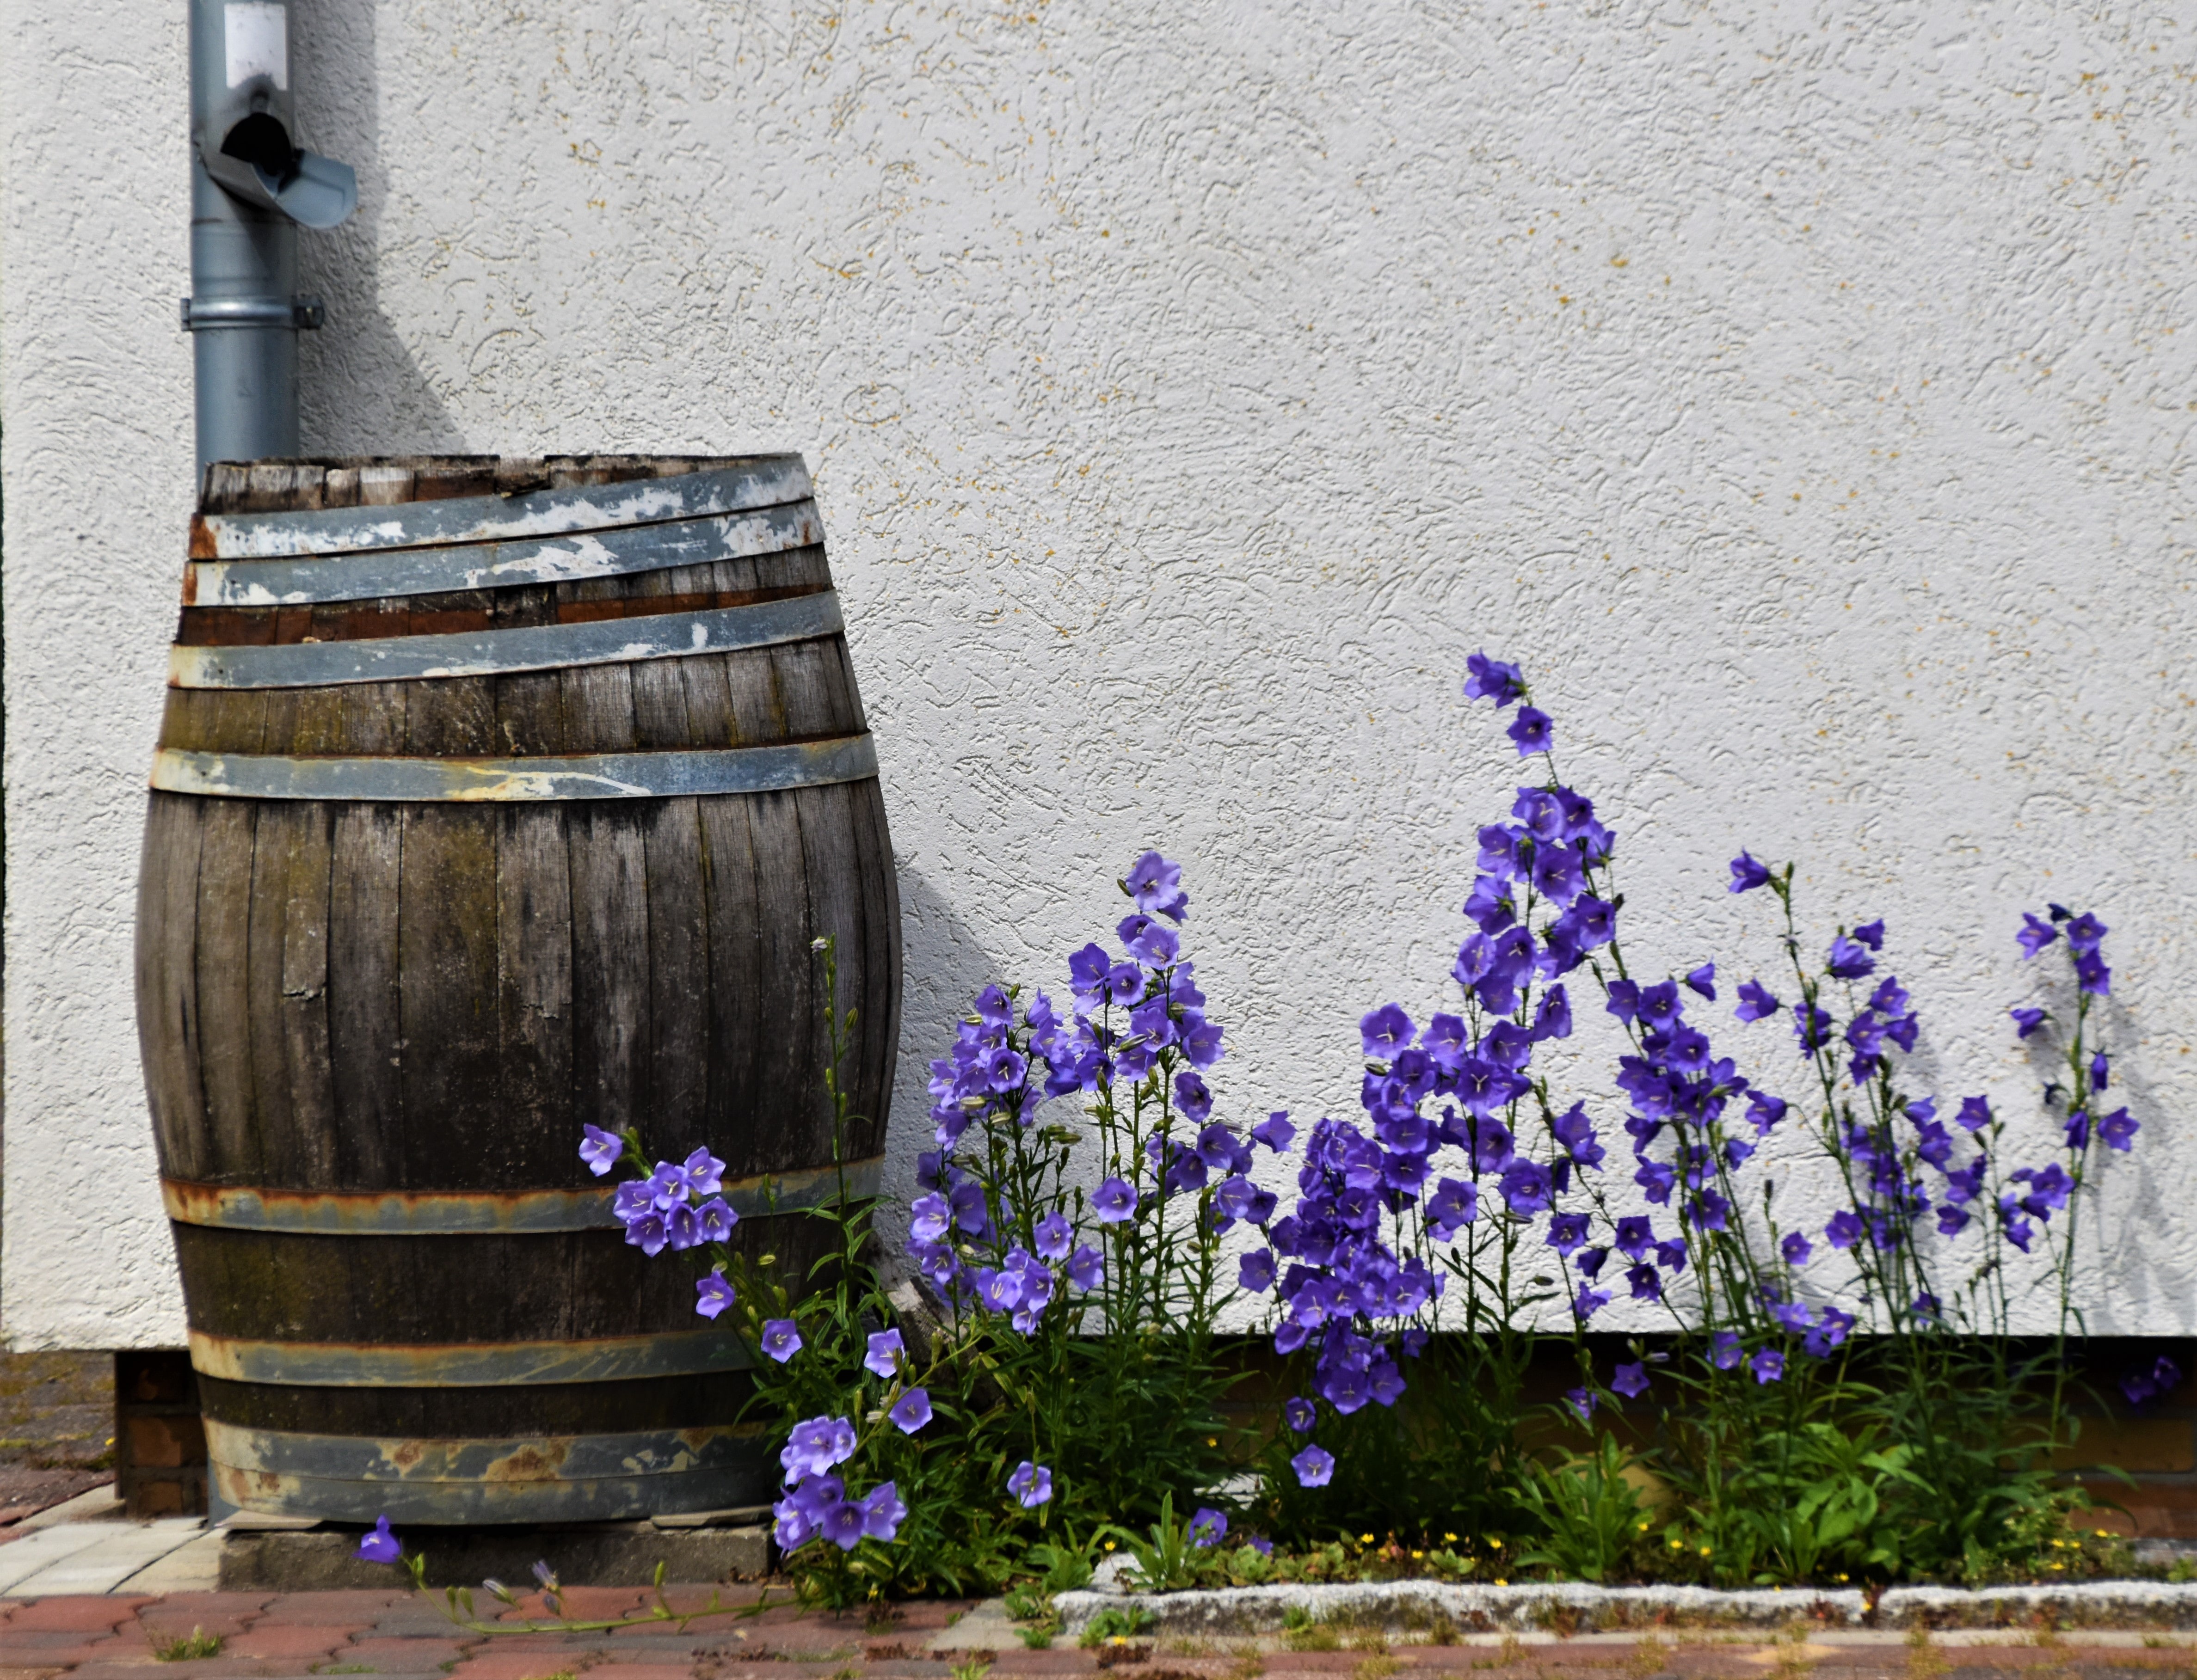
(623, 551)
(763, 481)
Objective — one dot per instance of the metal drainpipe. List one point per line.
(251, 189)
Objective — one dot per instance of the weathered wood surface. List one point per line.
(357, 996)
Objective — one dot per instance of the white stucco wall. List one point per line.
(1803, 393)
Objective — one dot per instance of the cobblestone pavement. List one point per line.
(402, 1637)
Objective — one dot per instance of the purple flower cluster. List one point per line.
(1882, 1155)
(677, 1206)
(1439, 1146)
(1365, 1192)
(1139, 1021)
(818, 1504)
(2085, 933)
(680, 1205)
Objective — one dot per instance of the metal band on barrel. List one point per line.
(464, 1364)
(524, 1458)
(769, 480)
(611, 775)
(616, 553)
(544, 1479)
(480, 1213)
(534, 647)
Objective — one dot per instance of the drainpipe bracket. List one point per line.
(213, 313)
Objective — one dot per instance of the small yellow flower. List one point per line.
(1676, 1544)
(2103, 1534)
(1450, 1538)
(1213, 1441)
(1643, 1528)
(1500, 1582)
(1705, 1551)
(1841, 1579)
(1364, 1540)
(1109, 1545)
(1418, 1554)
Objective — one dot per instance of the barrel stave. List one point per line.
(167, 981)
(452, 1115)
(534, 974)
(365, 1023)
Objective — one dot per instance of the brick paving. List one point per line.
(400, 1636)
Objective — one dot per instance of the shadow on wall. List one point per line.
(361, 389)
(943, 966)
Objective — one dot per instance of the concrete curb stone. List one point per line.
(1405, 1605)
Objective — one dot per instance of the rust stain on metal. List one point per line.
(531, 1478)
(390, 1212)
(536, 1461)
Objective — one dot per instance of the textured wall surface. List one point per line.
(1803, 393)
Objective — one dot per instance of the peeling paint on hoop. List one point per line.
(479, 1213)
(553, 1478)
(617, 775)
(771, 479)
(619, 552)
(464, 1364)
(534, 647)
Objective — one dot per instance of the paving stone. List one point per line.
(75, 1615)
(34, 1641)
(83, 1650)
(503, 1665)
(649, 1670)
(280, 1639)
(210, 1668)
(160, 1624)
(319, 1609)
(204, 1605)
(481, 1645)
(414, 1615)
(715, 1626)
(384, 1654)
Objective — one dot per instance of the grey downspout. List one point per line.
(251, 189)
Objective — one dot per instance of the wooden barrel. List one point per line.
(496, 797)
